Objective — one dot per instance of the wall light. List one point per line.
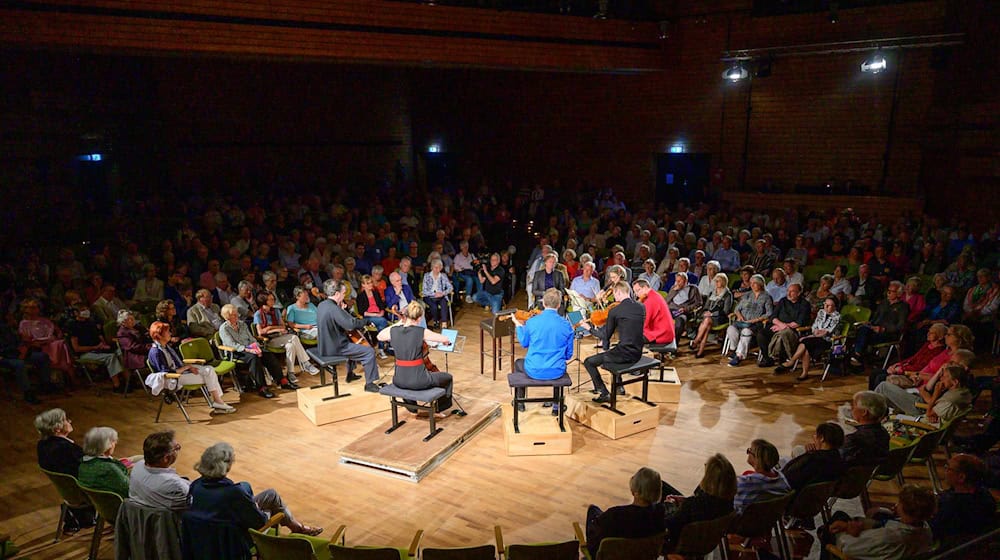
(677, 149)
(875, 63)
(736, 72)
(434, 149)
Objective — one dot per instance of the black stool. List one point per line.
(327, 363)
(640, 369)
(518, 380)
(429, 396)
(664, 350)
(498, 326)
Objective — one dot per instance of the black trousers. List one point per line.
(595, 361)
(258, 364)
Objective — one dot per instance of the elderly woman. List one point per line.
(934, 346)
(166, 312)
(777, 288)
(706, 284)
(436, 287)
(958, 341)
(99, 469)
(715, 312)
(243, 300)
(271, 326)
(822, 291)
(913, 298)
(215, 499)
(164, 359)
(41, 335)
(56, 452)
(841, 283)
(698, 264)
(824, 328)
(752, 312)
(571, 264)
(88, 343)
(948, 398)
(712, 499)
(764, 480)
(134, 343)
(301, 315)
(236, 335)
(649, 274)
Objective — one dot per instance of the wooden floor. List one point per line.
(534, 498)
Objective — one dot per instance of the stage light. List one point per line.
(875, 63)
(677, 149)
(434, 149)
(90, 157)
(736, 72)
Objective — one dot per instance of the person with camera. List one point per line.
(491, 277)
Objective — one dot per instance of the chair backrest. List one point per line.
(484, 552)
(338, 552)
(68, 488)
(569, 550)
(853, 482)
(197, 348)
(144, 532)
(111, 331)
(810, 500)
(106, 503)
(702, 537)
(951, 425)
(895, 461)
(206, 538)
(926, 444)
(274, 547)
(646, 548)
(503, 327)
(759, 518)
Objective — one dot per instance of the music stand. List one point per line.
(578, 333)
(456, 346)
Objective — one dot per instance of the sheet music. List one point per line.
(452, 336)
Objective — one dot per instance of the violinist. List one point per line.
(334, 321)
(615, 274)
(627, 319)
(549, 340)
(658, 327)
(407, 341)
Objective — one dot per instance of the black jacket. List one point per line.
(627, 319)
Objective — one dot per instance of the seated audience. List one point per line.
(948, 398)
(642, 518)
(820, 338)
(166, 312)
(586, 284)
(914, 299)
(764, 481)
(301, 314)
(397, 296)
(780, 338)
(56, 452)
(272, 327)
(744, 285)
(165, 359)
(777, 288)
(870, 539)
(706, 284)
(752, 311)
(842, 286)
(712, 499)
(715, 312)
(491, 279)
(683, 300)
(88, 343)
(821, 461)
(966, 508)
(865, 289)
(153, 482)
(204, 318)
(820, 293)
(649, 274)
(683, 267)
(436, 288)
(40, 335)
(886, 324)
(264, 366)
(934, 346)
(868, 444)
(99, 469)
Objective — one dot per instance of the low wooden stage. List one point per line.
(403, 453)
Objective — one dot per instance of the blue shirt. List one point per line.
(305, 316)
(729, 259)
(549, 340)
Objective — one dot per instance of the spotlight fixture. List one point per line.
(875, 63)
(736, 72)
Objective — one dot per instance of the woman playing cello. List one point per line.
(407, 341)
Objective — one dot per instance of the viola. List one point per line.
(599, 317)
(520, 315)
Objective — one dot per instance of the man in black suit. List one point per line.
(548, 277)
(627, 319)
(865, 290)
(333, 321)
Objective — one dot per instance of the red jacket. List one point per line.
(659, 325)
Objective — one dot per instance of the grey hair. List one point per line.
(332, 287)
(872, 403)
(684, 260)
(297, 290)
(98, 440)
(244, 284)
(898, 285)
(228, 311)
(47, 422)
(759, 279)
(216, 460)
(123, 315)
(268, 276)
(377, 268)
(716, 264)
(436, 262)
(647, 485)
(586, 259)
(722, 275)
(827, 278)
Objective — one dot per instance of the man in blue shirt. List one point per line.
(549, 340)
(729, 258)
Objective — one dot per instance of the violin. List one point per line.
(599, 317)
(520, 315)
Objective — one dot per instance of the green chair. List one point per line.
(294, 546)
(484, 552)
(107, 505)
(569, 550)
(199, 350)
(696, 539)
(850, 485)
(342, 552)
(178, 395)
(72, 497)
(891, 468)
(810, 501)
(618, 548)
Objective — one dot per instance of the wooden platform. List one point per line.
(357, 402)
(666, 391)
(638, 417)
(403, 453)
(539, 432)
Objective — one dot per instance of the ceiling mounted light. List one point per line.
(875, 63)
(736, 72)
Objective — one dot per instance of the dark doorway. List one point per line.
(681, 177)
(439, 170)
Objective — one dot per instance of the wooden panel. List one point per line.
(638, 417)
(357, 402)
(538, 432)
(886, 208)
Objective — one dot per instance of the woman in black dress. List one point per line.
(407, 339)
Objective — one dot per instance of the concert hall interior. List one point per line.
(789, 209)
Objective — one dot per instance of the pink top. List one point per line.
(917, 305)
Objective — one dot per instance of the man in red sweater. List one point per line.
(659, 325)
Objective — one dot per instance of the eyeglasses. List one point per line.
(175, 447)
(750, 451)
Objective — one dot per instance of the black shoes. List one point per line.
(782, 369)
(371, 387)
(766, 363)
(266, 393)
(289, 385)
(602, 398)
(352, 378)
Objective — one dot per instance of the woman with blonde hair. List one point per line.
(715, 312)
(407, 340)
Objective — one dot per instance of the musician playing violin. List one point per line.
(408, 340)
(549, 340)
(627, 319)
(658, 327)
(334, 322)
